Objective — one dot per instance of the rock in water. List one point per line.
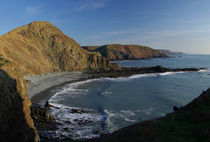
(42, 118)
(47, 105)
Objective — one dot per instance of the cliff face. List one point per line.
(15, 121)
(168, 52)
(35, 48)
(125, 52)
(40, 47)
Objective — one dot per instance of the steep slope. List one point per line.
(125, 52)
(36, 48)
(40, 47)
(15, 121)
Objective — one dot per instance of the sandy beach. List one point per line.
(40, 86)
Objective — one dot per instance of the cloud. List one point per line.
(32, 10)
(154, 34)
(81, 5)
(135, 36)
(92, 5)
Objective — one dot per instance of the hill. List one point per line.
(40, 47)
(36, 48)
(126, 52)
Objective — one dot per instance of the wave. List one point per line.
(204, 70)
(126, 117)
(78, 123)
(167, 73)
(129, 120)
(72, 88)
(136, 76)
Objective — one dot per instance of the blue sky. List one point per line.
(178, 25)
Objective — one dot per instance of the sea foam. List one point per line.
(87, 123)
(77, 123)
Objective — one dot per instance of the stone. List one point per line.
(175, 108)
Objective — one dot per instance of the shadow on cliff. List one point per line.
(13, 124)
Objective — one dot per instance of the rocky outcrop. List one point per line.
(15, 121)
(126, 52)
(42, 119)
(36, 48)
(129, 71)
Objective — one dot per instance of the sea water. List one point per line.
(90, 108)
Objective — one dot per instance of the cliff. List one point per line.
(36, 48)
(15, 121)
(168, 52)
(126, 52)
(40, 47)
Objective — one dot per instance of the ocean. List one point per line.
(93, 107)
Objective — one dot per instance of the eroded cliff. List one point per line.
(125, 52)
(36, 48)
(15, 121)
(40, 47)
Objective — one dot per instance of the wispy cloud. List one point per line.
(32, 10)
(116, 33)
(81, 5)
(92, 5)
(140, 35)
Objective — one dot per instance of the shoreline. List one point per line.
(40, 87)
(55, 81)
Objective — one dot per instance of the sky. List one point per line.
(177, 25)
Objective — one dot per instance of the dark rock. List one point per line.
(175, 108)
(67, 129)
(47, 105)
(42, 118)
(75, 111)
(128, 71)
(97, 132)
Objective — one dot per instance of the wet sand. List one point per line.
(40, 87)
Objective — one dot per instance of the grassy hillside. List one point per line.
(126, 52)
(36, 48)
(40, 47)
